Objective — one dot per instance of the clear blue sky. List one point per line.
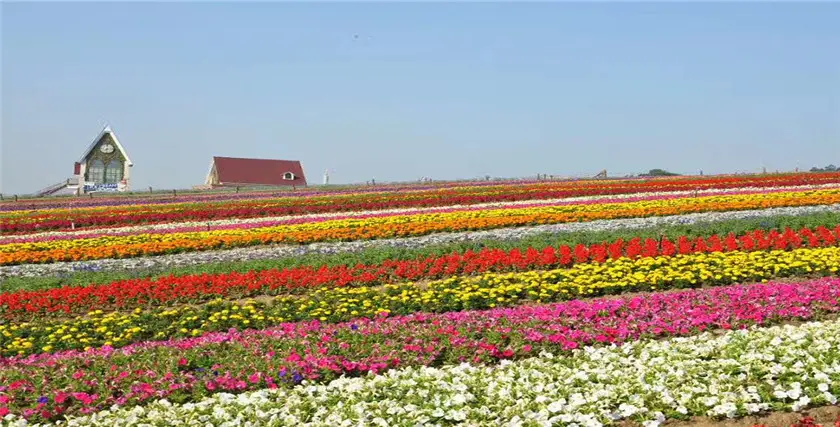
(441, 90)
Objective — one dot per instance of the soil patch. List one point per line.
(824, 415)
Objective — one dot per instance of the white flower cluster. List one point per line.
(282, 251)
(728, 375)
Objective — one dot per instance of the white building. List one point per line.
(104, 165)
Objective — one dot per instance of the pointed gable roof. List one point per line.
(106, 131)
(235, 170)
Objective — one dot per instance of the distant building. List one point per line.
(105, 165)
(239, 172)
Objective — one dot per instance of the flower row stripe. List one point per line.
(490, 290)
(202, 287)
(277, 252)
(298, 205)
(237, 361)
(632, 185)
(735, 374)
(82, 217)
(409, 225)
(226, 195)
(248, 223)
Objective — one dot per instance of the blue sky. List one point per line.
(446, 90)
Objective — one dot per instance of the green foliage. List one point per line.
(829, 168)
(659, 172)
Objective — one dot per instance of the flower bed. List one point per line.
(21, 221)
(735, 374)
(642, 184)
(249, 223)
(802, 216)
(408, 225)
(204, 287)
(189, 369)
(451, 294)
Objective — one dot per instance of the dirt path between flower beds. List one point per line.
(825, 415)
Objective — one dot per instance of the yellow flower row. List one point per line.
(413, 224)
(452, 294)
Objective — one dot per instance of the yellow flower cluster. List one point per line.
(451, 294)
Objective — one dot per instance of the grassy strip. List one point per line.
(380, 254)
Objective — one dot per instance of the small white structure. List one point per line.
(104, 165)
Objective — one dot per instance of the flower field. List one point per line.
(532, 303)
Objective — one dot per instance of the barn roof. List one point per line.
(234, 170)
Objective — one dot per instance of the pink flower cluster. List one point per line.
(48, 386)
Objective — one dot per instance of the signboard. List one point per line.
(91, 187)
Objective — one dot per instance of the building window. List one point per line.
(288, 176)
(113, 174)
(96, 171)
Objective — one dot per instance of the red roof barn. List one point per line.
(234, 171)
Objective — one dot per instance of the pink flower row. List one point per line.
(48, 386)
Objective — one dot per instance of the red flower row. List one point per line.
(195, 288)
(81, 218)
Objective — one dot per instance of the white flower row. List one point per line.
(163, 262)
(730, 375)
(223, 222)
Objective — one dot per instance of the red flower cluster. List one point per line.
(149, 214)
(194, 288)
